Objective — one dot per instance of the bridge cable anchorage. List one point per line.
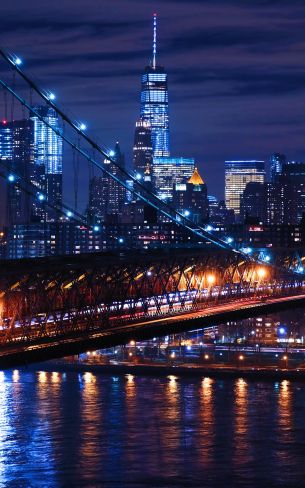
(153, 200)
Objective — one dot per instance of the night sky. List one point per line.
(236, 70)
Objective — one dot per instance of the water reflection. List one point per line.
(90, 424)
(241, 444)
(207, 420)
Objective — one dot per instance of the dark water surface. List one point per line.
(66, 430)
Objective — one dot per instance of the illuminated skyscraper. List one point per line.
(237, 175)
(17, 162)
(276, 165)
(154, 102)
(48, 152)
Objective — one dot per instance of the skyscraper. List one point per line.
(237, 175)
(48, 152)
(276, 165)
(17, 162)
(106, 196)
(154, 101)
(142, 149)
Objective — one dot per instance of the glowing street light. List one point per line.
(69, 213)
(229, 240)
(111, 153)
(41, 197)
(51, 97)
(261, 273)
(211, 279)
(11, 178)
(241, 357)
(82, 126)
(96, 228)
(187, 213)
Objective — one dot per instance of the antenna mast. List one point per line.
(155, 42)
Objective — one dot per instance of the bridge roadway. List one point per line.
(51, 348)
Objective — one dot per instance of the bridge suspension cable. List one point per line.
(140, 190)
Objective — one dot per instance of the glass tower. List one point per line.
(48, 149)
(237, 175)
(154, 102)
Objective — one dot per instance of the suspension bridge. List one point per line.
(51, 307)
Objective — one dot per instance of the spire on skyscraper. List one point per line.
(154, 43)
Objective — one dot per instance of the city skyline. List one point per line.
(239, 86)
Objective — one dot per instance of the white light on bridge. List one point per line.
(41, 197)
(17, 61)
(51, 97)
(11, 178)
(82, 126)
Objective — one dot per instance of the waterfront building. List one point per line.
(237, 175)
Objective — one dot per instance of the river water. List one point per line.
(95, 430)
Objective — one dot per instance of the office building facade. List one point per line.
(168, 172)
(237, 175)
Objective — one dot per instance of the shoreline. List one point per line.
(254, 373)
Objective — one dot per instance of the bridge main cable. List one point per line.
(159, 205)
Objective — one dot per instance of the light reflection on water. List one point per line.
(92, 430)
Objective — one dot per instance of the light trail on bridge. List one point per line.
(43, 349)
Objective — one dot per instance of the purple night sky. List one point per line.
(236, 70)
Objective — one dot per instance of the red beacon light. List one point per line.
(4, 121)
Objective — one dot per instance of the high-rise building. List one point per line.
(237, 175)
(293, 174)
(277, 161)
(191, 198)
(253, 203)
(142, 149)
(168, 172)
(48, 151)
(17, 162)
(154, 101)
(106, 196)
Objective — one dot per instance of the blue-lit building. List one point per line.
(277, 162)
(48, 153)
(154, 103)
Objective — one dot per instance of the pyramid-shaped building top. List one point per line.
(196, 179)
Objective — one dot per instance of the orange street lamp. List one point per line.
(206, 356)
(241, 357)
(261, 272)
(211, 279)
